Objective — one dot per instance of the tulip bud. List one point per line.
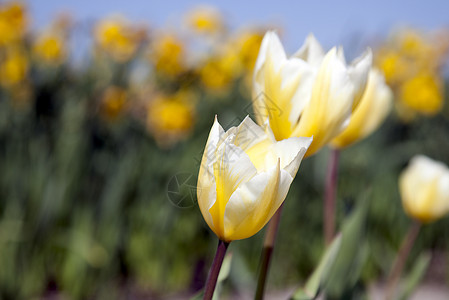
(244, 177)
(424, 188)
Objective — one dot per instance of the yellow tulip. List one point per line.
(220, 70)
(424, 188)
(205, 20)
(117, 38)
(167, 52)
(113, 102)
(244, 177)
(14, 68)
(171, 118)
(13, 22)
(248, 45)
(423, 93)
(394, 66)
(308, 94)
(50, 47)
(373, 108)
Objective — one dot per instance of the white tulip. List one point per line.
(244, 177)
(424, 188)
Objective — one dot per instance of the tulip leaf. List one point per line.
(224, 273)
(415, 276)
(342, 259)
(349, 259)
(313, 284)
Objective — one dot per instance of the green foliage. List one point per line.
(85, 209)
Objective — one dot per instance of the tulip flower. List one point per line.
(424, 188)
(423, 93)
(244, 177)
(308, 94)
(373, 108)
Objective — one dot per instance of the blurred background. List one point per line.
(105, 108)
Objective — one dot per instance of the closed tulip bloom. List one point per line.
(375, 105)
(424, 188)
(308, 94)
(244, 177)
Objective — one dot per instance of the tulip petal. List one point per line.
(271, 47)
(311, 51)
(248, 134)
(276, 95)
(297, 81)
(424, 188)
(291, 152)
(369, 114)
(330, 107)
(265, 152)
(231, 169)
(206, 190)
(254, 203)
(216, 135)
(358, 72)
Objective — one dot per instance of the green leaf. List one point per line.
(348, 259)
(342, 260)
(319, 276)
(415, 276)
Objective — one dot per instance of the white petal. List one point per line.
(270, 48)
(270, 60)
(216, 134)
(248, 134)
(330, 106)
(341, 54)
(291, 152)
(358, 72)
(299, 75)
(311, 51)
(254, 203)
(206, 191)
(424, 187)
(232, 168)
(373, 108)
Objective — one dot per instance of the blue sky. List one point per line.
(333, 22)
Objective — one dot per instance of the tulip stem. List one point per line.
(330, 195)
(215, 270)
(268, 246)
(401, 258)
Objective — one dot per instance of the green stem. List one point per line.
(329, 197)
(215, 270)
(401, 258)
(268, 246)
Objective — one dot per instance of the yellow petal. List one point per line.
(264, 151)
(358, 72)
(281, 87)
(232, 168)
(374, 107)
(254, 203)
(331, 103)
(206, 188)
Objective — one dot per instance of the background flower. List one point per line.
(424, 187)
